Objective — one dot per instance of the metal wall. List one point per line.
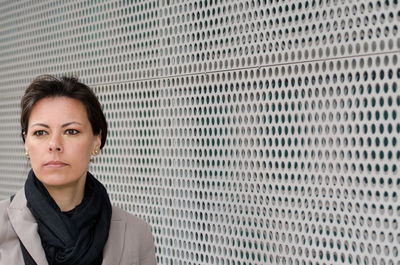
(244, 132)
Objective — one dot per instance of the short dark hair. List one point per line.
(46, 86)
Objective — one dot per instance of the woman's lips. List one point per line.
(55, 164)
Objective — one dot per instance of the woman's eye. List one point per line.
(39, 133)
(71, 131)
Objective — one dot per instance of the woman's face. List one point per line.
(60, 141)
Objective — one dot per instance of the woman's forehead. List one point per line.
(58, 110)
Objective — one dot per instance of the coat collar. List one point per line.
(25, 227)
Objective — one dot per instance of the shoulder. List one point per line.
(136, 236)
(8, 238)
(132, 222)
(4, 204)
(4, 219)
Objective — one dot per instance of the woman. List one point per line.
(63, 214)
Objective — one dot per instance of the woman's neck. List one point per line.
(67, 198)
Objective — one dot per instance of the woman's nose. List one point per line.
(55, 143)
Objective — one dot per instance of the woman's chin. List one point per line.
(58, 181)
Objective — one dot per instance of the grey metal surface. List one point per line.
(244, 132)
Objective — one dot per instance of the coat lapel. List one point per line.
(115, 243)
(25, 227)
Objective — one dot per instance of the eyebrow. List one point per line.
(62, 126)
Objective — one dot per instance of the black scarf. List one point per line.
(76, 237)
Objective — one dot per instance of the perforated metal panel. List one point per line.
(244, 132)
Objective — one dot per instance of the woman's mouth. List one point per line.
(55, 164)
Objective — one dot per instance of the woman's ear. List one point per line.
(23, 133)
(97, 143)
(25, 144)
(99, 139)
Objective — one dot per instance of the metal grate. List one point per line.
(244, 132)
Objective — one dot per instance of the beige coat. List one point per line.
(130, 240)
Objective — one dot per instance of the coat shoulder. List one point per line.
(10, 252)
(132, 221)
(138, 239)
(7, 233)
(4, 204)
